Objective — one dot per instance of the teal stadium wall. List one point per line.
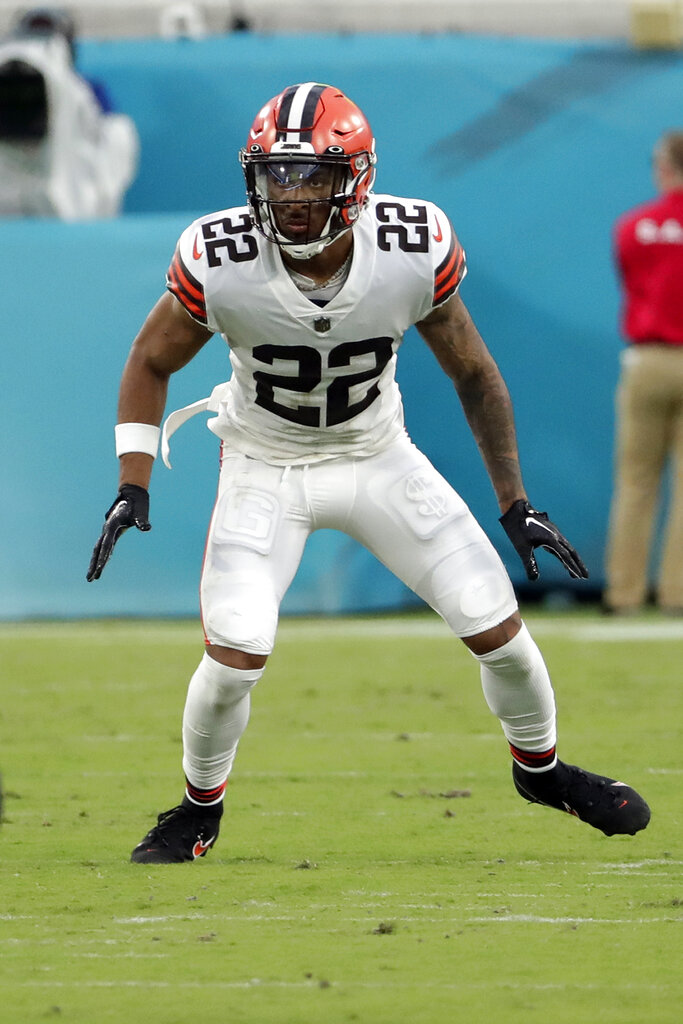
(532, 147)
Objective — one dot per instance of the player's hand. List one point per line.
(529, 529)
(130, 508)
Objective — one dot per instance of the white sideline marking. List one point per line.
(651, 862)
(443, 919)
(183, 633)
(345, 984)
(567, 628)
(609, 632)
(116, 955)
(393, 910)
(533, 919)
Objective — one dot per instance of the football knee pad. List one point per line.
(246, 620)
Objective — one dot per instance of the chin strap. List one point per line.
(309, 249)
(298, 252)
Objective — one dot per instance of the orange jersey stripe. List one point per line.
(448, 286)
(450, 272)
(446, 267)
(186, 288)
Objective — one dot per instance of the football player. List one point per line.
(313, 285)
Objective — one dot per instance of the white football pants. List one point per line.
(394, 503)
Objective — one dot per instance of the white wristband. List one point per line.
(136, 437)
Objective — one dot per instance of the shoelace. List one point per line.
(164, 822)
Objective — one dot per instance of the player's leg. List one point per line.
(411, 518)
(254, 547)
(518, 690)
(641, 446)
(670, 588)
(414, 521)
(420, 528)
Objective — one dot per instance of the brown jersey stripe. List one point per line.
(445, 262)
(450, 271)
(186, 288)
(446, 283)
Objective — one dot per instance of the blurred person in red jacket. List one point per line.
(649, 260)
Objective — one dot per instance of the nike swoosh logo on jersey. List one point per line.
(439, 234)
(200, 848)
(530, 519)
(196, 255)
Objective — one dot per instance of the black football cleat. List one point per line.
(611, 806)
(179, 835)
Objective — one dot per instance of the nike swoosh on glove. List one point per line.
(130, 508)
(529, 529)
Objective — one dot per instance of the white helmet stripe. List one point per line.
(300, 115)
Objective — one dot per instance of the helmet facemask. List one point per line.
(303, 202)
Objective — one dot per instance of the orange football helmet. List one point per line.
(312, 148)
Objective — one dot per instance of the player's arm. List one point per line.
(167, 341)
(455, 341)
(462, 354)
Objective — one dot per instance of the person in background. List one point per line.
(313, 285)
(64, 152)
(54, 21)
(648, 243)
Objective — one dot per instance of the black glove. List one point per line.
(130, 508)
(529, 529)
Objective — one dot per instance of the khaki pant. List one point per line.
(649, 433)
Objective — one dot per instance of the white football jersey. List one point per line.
(311, 383)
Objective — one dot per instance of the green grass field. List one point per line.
(375, 863)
